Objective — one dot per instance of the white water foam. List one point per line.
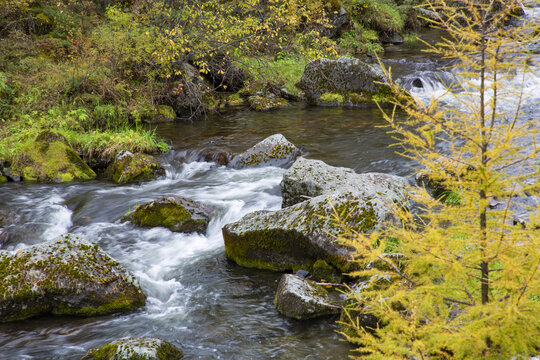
(157, 255)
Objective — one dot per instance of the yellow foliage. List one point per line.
(462, 281)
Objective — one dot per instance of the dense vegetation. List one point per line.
(458, 278)
(94, 71)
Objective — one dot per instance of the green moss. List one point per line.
(49, 158)
(169, 352)
(165, 113)
(170, 215)
(330, 97)
(62, 264)
(106, 352)
(356, 98)
(117, 304)
(271, 249)
(265, 103)
(321, 270)
(3, 179)
(277, 152)
(133, 168)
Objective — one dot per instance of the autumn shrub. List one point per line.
(462, 279)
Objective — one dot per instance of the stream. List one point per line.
(197, 299)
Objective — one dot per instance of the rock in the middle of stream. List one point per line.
(297, 236)
(68, 276)
(302, 299)
(275, 150)
(176, 213)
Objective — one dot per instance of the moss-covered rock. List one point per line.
(176, 213)
(302, 233)
(302, 299)
(275, 150)
(308, 178)
(266, 103)
(128, 167)
(164, 113)
(48, 158)
(322, 271)
(68, 276)
(331, 82)
(297, 236)
(135, 349)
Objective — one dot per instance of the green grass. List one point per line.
(379, 15)
(14, 135)
(285, 70)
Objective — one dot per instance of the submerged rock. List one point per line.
(135, 349)
(176, 213)
(345, 81)
(128, 167)
(302, 299)
(68, 276)
(275, 150)
(308, 178)
(50, 159)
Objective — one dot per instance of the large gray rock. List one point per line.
(135, 349)
(345, 81)
(308, 178)
(302, 299)
(68, 276)
(176, 213)
(275, 150)
(297, 236)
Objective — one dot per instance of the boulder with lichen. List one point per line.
(128, 167)
(135, 349)
(176, 213)
(67, 276)
(49, 159)
(275, 150)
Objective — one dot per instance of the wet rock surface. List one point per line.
(128, 168)
(302, 299)
(135, 349)
(275, 150)
(176, 213)
(67, 276)
(297, 236)
(345, 81)
(308, 178)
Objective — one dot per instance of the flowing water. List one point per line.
(197, 299)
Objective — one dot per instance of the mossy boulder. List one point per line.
(68, 276)
(266, 103)
(298, 236)
(308, 178)
(50, 159)
(302, 299)
(128, 168)
(176, 213)
(275, 150)
(348, 79)
(135, 349)
(164, 113)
